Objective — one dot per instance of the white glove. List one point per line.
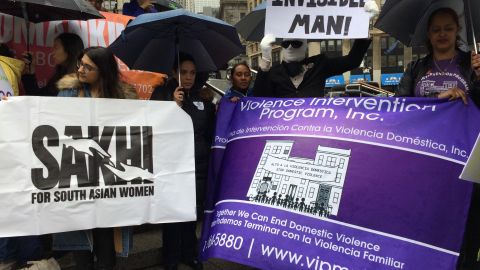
(266, 47)
(371, 8)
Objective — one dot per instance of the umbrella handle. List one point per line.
(27, 22)
(467, 7)
(178, 63)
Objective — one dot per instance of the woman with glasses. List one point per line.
(97, 77)
(66, 49)
(298, 76)
(240, 77)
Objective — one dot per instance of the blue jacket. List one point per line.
(72, 92)
(134, 9)
(234, 93)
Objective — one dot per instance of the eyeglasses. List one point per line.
(86, 67)
(295, 43)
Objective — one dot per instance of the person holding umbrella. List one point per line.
(179, 239)
(36, 11)
(447, 71)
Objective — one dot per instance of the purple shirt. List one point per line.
(444, 75)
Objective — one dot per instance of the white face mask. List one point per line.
(291, 54)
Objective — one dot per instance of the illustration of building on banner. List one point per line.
(306, 185)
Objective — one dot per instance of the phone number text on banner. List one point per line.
(345, 183)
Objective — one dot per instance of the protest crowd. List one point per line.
(95, 72)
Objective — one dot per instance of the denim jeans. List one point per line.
(6, 252)
(83, 240)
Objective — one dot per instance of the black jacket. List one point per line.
(277, 83)
(202, 112)
(30, 85)
(417, 69)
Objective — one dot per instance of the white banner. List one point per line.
(317, 19)
(78, 163)
(300, 170)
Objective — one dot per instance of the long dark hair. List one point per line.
(73, 47)
(200, 77)
(183, 57)
(108, 72)
(447, 11)
(5, 50)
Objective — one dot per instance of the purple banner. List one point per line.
(344, 183)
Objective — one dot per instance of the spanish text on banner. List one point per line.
(344, 183)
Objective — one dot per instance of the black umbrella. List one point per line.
(252, 26)
(152, 41)
(49, 10)
(406, 20)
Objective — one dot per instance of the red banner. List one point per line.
(13, 32)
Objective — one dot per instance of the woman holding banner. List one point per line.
(66, 49)
(97, 77)
(240, 77)
(446, 72)
(179, 239)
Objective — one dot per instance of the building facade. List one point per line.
(187, 4)
(210, 11)
(200, 4)
(232, 11)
